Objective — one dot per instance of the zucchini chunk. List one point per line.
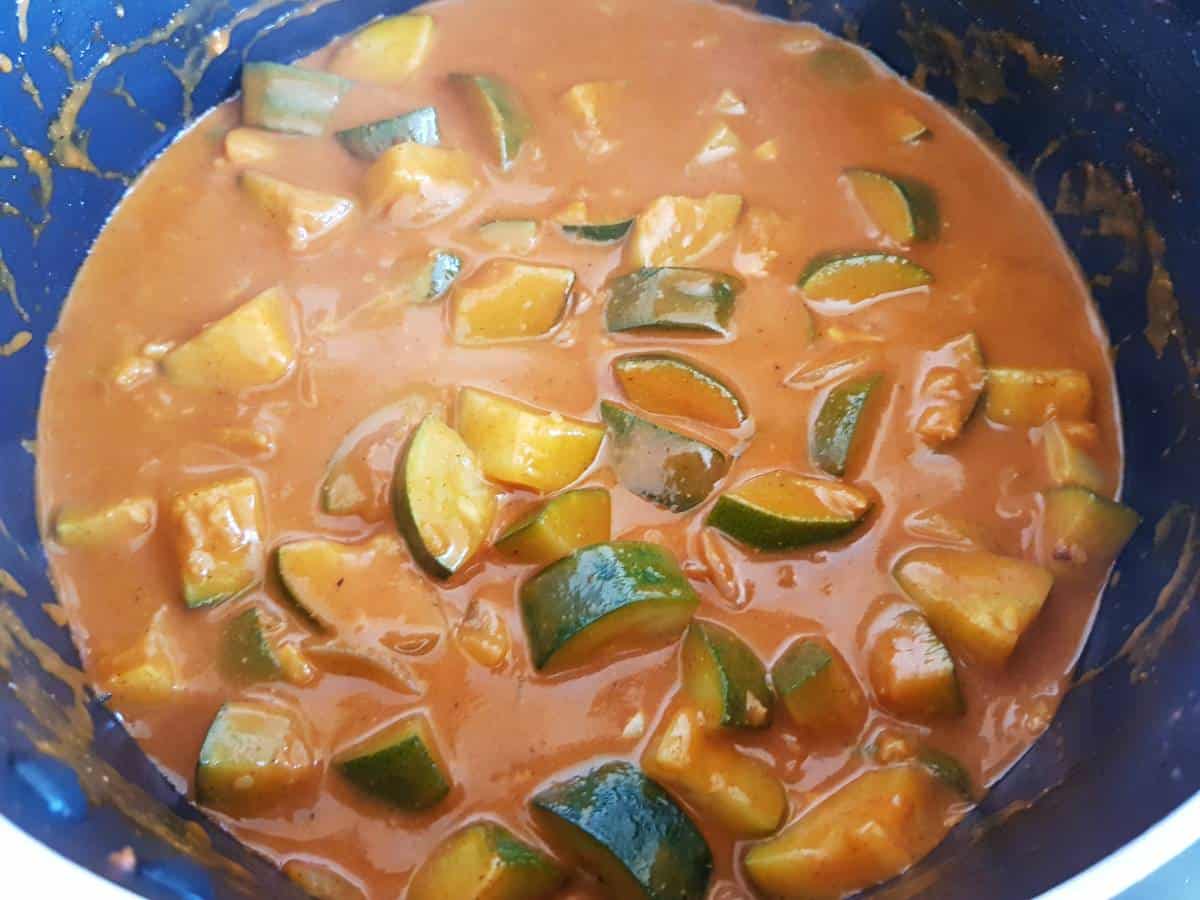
(399, 765)
(948, 770)
(904, 210)
(953, 381)
(784, 511)
(516, 444)
(321, 882)
(250, 347)
(980, 603)
(516, 237)
(218, 539)
(868, 831)
(818, 690)
(359, 477)
(506, 300)
(501, 109)
(725, 679)
(372, 140)
(340, 586)
(387, 51)
(837, 429)
(1069, 464)
(912, 672)
(1083, 531)
(559, 527)
(253, 755)
(739, 792)
(672, 300)
(665, 467)
(443, 506)
(627, 831)
(1026, 398)
(596, 232)
(246, 652)
(859, 277)
(122, 522)
(146, 674)
(679, 231)
(673, 386)
(622, 593)
(305, 216)
(421, 281)
(593, 106)
(414, 185)
(289, 98)
(485, 861)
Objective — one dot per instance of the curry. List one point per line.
(624, 449)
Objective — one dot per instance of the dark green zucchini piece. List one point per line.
(289, 98)
(663, 466)
(837, 428)
(628, 831)
(246, 652)
(606, 233)
(485, 861)
(622, 592)
(399, 765)
(672, 299)
(501, 108)
(818, 690)
(371, 140)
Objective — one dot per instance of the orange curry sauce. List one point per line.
(188, 245)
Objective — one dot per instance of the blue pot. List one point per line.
(1095, 103)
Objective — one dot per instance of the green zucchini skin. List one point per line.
(838, 424)
(607, 233)
(371, 140)
(594, 588)
(628, 827)
(673, 299)
(290, 99)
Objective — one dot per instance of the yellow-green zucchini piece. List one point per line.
(725, 679)
(305, 216)
(674, 386)
(978, 602)
(387, 51)
(903, 209)
(1026, 398)
(289, 98)
(506, 300)
(781, 510)
(665, 467)
(443, 506)
(559, 527)
(912, 673)
(818, 690)
(680, 231)
(148, 673)
(371, 140)
(628, 831)
(501, 108)
(250, 347)
(485, 861)
(517, 444)
(253, 755)
(616, 594)
(246, 652)
(866, 832)
(516, 237)
(322, 882)
(1068, 464)
(738, 792)
(399, 765)
(414, 185)
(218, 540)
(858, 277)
(124, 521)
(837, 430)
(1083, 531)
(672, 299)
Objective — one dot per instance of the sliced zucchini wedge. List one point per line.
(680, 231)
(672, 300)
(912, 672)
(500, 107)
(953, 380)
(672, 470)
(505, 300)
(485, 861)
(837, 430)
(399, 765)
(1026, 398)
(443, 506)
(372, 140)
(859, 277)
(903, 209)
(414, 185)
(784, 511)
(289, 98)
(304, 216)
(626, 830)
(387, 51)
(818, 690)
(673, 386)
(725, 679)
(218, 540)
(246, 652)
(604, 597)
(559, 527)
(1082, 531)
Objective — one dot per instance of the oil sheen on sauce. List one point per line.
(186, 247)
